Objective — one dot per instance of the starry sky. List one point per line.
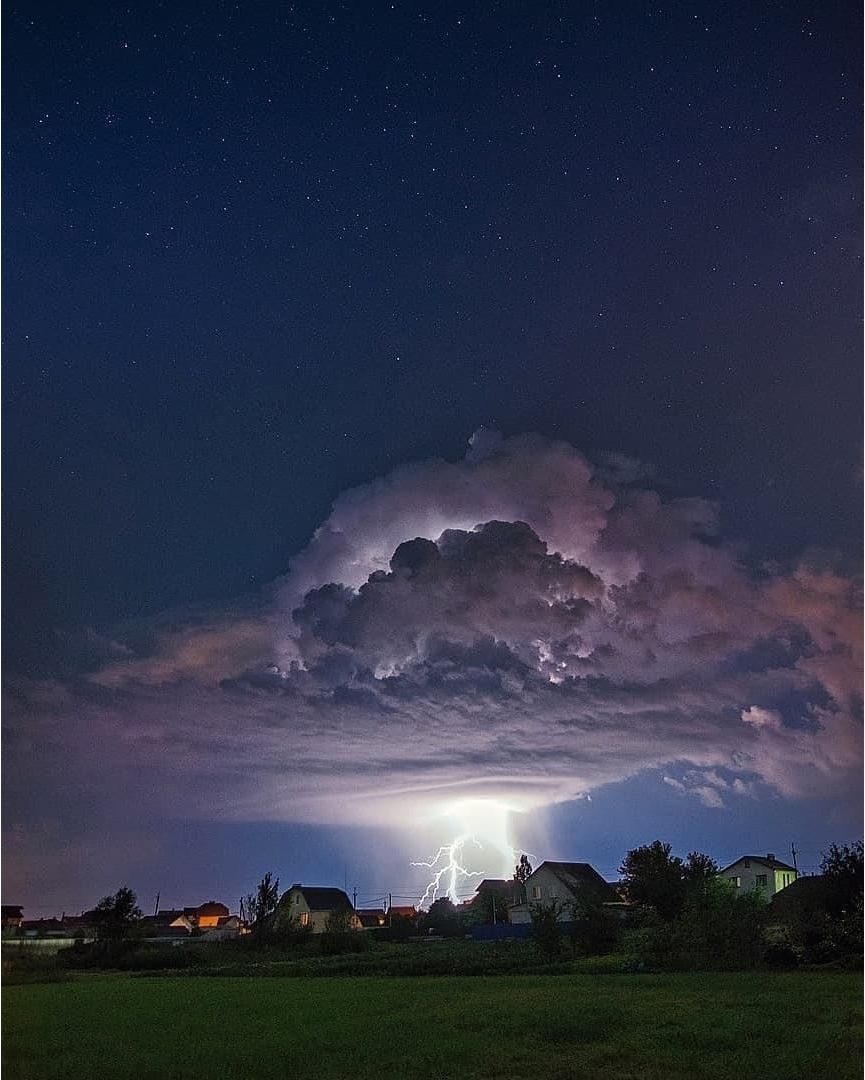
(411, 405)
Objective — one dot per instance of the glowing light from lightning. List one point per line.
(446, 863)
(484, 824)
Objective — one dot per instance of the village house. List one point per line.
(564, 883)
(314, 906)
(372, 918)
(764, 872)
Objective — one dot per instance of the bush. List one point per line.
(716, 930)
(129, 956)
(336, 942)
(595, 930)
(547, 932)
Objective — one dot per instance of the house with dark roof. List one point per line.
(312, 906)
(764, 872)
(372, 918)
(564, 883)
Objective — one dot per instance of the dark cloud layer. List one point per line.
(515, 625)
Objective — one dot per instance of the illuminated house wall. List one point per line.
(763, 872)
(312, 906)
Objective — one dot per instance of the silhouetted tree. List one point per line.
(652, 876)
(262, 903)
(115, 916)
(442, 918)
(522, 872)
(699, 873)
(842, 866)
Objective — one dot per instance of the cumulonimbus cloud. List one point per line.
(519, 624)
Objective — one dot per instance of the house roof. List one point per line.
(407, 911)
(211, 908)
(320, 898)
(580, 877)
(498, 885)
(764, 860)
(371, 916)
(11, 911)
(166, 915)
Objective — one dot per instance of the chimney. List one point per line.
(771, 855)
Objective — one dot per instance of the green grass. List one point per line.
(645, 1027)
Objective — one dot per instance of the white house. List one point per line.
(312, 906)
(563, 882)
(764, 872)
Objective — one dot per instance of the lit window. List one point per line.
(304, 918)
(737, 881)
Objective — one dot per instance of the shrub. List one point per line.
(547, 931)
(595, 930)
(716, 930)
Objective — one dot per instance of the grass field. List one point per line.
(802, 1024)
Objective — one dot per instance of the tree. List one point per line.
(522, 871)
(652, 876)
(442, 918)
(116, 915)
(262, 903)
(699, 873)
(843, 867)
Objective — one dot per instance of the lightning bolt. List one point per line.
(446, 865)
(486, 820)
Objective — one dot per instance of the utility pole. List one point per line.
(156, 911)
(793, 849)
(494, 908)
(354, 897)
(389, 906)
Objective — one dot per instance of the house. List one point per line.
(313, 906)
(12, 920)
(227, 928)
(370, 918)
(207, 916)
(494, 897)
(403, 911)
(764, 872)
(562, 883)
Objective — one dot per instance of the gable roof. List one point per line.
(210, 908)
(495, 885)
(320, 898)
(764, 860)
(580, 877)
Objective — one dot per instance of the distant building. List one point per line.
(763, 872)
(370, 918)
(207, 916)
(313, 906)
(563, 883)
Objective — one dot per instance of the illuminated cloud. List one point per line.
(517, 625)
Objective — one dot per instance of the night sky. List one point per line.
(564, 297)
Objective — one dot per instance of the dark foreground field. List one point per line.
(802, 1024)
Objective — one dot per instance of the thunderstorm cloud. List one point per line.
(521, 624)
